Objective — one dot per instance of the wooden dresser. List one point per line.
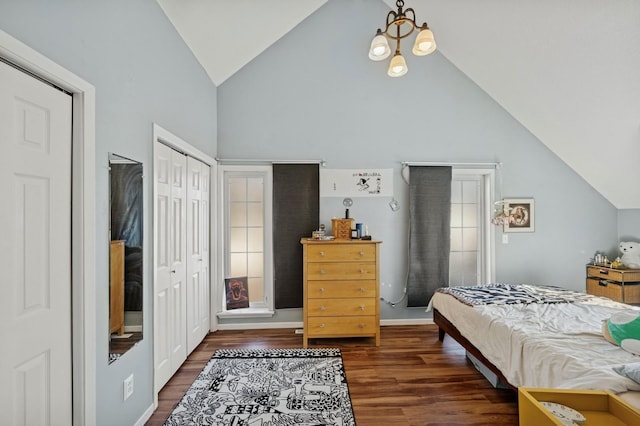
(341, 289)
(116, 288)
(621, 285)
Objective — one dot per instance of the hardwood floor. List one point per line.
(410, 379)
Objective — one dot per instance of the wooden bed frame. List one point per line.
(445, 326)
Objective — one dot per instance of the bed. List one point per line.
(541, 337)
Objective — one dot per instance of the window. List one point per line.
(471, 252)
(246, 214)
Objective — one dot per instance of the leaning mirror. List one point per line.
(125, 255)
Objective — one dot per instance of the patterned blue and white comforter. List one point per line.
(507, 294)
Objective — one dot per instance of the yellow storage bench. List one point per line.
(600, 408)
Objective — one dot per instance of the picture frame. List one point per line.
(520, 213)
(236, 292)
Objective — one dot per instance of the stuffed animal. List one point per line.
(630, 254)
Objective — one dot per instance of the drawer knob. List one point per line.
(322, 253)
(361, 253)
(322, 271)
(321, 289)
(362, 325)
(362, 271)
(361, 289)
(322, 308)
(321, 325)
(362, 307)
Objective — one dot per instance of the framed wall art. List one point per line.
(520, 215)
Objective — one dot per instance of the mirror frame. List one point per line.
(126, 229)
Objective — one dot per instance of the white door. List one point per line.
(35, 251)
(170, 266)
(197, 252)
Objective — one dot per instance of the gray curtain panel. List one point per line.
(296, 209)
(429, 236)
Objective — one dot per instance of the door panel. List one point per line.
(169, 325)
(35, 251)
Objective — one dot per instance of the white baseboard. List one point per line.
(145, 416)
(266, 325)
(406, 321)
(259, 325)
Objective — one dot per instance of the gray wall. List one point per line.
(143, 73)
(629, 225)
(315, 94)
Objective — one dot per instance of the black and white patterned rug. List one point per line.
(268, 387)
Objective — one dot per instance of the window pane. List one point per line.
(469, 215)
(255, 241)
(255, 189)
(255, 264)
(237, 189)
(238, 265)
(456, 215)
(470, 268)
(469, 239)
(456, 239)
(455, 269)
(238, 241)
(256, 290)
(456, 191)
(238, 214)
(469, 191)
(255, 214)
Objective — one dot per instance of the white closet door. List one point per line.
(205, 285)
(197, 258)
(35, 252)
(170, 267)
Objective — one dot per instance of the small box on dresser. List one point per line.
(621, 285)
(341, 289)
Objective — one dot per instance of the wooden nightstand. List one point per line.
(621, 285)
(341, 289)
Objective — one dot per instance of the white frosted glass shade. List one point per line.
(398, 66)
(425, 43)
(379, 48)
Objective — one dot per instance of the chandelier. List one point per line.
(401, 24)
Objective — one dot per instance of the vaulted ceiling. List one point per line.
(567, 70)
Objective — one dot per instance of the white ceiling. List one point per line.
(567, 70)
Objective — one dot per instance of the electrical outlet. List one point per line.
(505, 238)
(128, 387)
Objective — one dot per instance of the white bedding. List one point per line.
(545, 345)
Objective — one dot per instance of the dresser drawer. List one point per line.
(342, 326)
(327, 252)
(604, 288)
(628, 293)
(341, 289)
(631, 275)
(341, 271)
(346, 307)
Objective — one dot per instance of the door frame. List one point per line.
(83, 219)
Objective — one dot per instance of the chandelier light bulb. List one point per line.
(379, 48)
(425, 43)
(398, 66)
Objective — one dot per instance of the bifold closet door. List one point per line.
(198, 175)
(170, 189)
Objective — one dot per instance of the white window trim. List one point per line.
(489, 232)
(260, 310)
